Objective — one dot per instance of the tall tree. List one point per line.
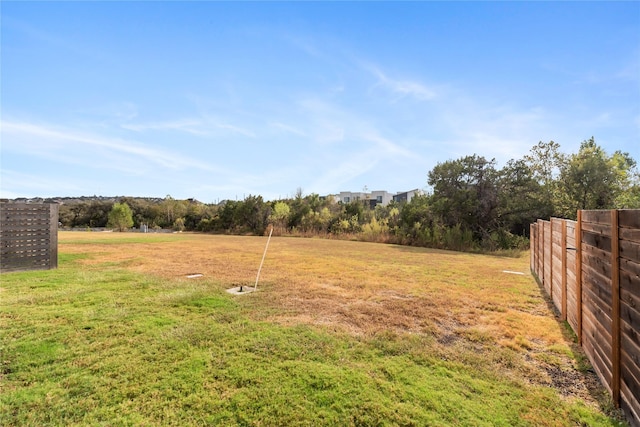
(252, 215)
(518, 198)
(546, 161)
(590, 179)
(628, 178)
(299, 208)
(120, 217)
(465, 193)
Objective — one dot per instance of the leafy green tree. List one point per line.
(317, 222)
(279, 216)
(354, 209)
(314, 202)
(120, 217)
(178, 224)
(225, 219)
(416, 211)
(592, 179)
(251, 215)
(138, 207)
(546, 161)
(519, 198)
(65, 215)
(465, 193)
(97, 213)
(388, 214)
(195, 212)
(299, 208)
(628, 178)
(415, 222)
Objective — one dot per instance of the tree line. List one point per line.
(472, 204)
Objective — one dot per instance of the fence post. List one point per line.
(551, 259)
(538, 234)
(542, 254)
(537, 260)
(535, 257)
(532, 244)
(564, 269)
(579, 275)
(615, 308)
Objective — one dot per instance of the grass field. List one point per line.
(339, 333)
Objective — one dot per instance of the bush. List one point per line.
(375, 231)
(503, 239)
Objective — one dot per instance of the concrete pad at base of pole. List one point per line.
(245, 290)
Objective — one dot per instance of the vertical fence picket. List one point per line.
(532, 246)
(579, 275)
(615, 308)
(563, 248)
(551, 260)
(542, 251)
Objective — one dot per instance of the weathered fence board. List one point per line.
(629, 235)
(599, 217)
(596, 228)
(548, 260)
(629, 249)
(591, 270)
(558, 279)
(598, 241)
(28, 236)
(629, 218)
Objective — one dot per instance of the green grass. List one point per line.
(115, 238)
(100, 345)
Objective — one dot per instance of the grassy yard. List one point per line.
(339, 333)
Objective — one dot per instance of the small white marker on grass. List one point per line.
(519, 273)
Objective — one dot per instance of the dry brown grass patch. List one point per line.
(464, 301)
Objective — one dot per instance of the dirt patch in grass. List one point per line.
(474, 311)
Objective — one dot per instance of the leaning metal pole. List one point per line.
(255, 287)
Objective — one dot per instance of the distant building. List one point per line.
(348, 196)
(381, 197)
(406, 196)
(374, 198)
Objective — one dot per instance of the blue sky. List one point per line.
(218, 100)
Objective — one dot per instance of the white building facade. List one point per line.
(379, 197)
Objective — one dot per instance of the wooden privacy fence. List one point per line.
(28, 236)
(591, 270)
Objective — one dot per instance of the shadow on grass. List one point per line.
(593, 383)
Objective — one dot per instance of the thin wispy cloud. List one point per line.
(287, 129)
(400, 88)
(386, 146)
(191, 126)
(340, 174)
(207, 126)
(32, 185)
(37, 140)
(503, 132)
(54, 41)
(235, 129)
